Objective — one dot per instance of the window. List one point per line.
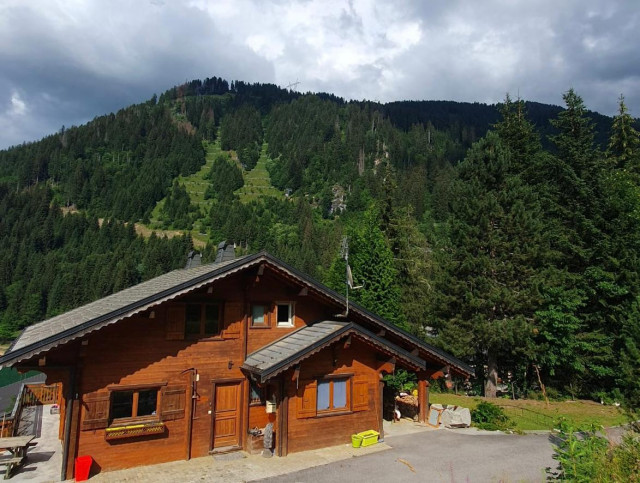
(284, 314)
(202, 319)
(136, 403)
(259, 315)
(332, 395)
(147, 404)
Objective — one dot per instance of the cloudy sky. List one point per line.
(64, 62)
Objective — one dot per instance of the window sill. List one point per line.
(333, 413)
(285, 326)
(260, 327)
(206, 337)
(133, 430)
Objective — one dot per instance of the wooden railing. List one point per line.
(39, 394)
(10, 421)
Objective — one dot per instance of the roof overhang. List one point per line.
(51, 337)
(273, 359)
(15, 354)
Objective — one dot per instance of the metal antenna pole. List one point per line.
(345, 255)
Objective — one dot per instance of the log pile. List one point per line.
(408, 406)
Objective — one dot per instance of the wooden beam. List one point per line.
(73, 419)
(347, 342)
(304, 291)
(433, 373)
(381, 333)
(296, 373)
(423, 400)
(282, 442)
(389, 366)
(381, 385)
(261, 269)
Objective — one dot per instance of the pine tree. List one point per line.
(624, 143)
(487, 292)
(372, 265)
(518, 133)
(413, 261)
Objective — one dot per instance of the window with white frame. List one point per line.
(284, 314)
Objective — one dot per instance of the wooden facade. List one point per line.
(167, 383)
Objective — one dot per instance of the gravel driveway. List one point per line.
(439, 456)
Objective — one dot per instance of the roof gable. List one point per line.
(281, 354)
(78, 322)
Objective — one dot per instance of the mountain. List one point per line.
(94, 208)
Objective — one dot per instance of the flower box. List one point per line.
(133, 430)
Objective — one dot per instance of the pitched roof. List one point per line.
(95, 315)
(278, 356)
(76, 323)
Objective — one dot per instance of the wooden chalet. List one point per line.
(189, 363)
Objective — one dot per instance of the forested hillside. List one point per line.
(508, 235)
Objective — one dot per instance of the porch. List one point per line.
(44, 460)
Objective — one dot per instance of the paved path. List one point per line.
(442, 456)
(410, 451)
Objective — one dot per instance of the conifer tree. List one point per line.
(372, 266)
(518, 133)
(487, 291)
(624, 143)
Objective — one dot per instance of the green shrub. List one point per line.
(585, 455)
(580, 452)
(401, 380)
(488, 416)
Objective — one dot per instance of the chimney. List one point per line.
(194, 259)
(226, 252)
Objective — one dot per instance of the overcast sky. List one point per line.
(64, 62)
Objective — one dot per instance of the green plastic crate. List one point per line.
(369, 437)
(356, 440)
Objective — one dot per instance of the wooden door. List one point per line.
(226, 414)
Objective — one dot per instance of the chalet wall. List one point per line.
(359, 360)
(136, 351)
(269, 289)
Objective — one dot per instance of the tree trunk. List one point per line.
(491, 382)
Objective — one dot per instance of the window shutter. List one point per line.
(360, 394)
(96, 415)
(173, 403)
(175, 322)
(233, 317)
(307, 394)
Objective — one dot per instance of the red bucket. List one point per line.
(83, 467)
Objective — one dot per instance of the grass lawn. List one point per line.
(257, 182)
(529, 414)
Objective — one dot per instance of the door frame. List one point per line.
(240, 417)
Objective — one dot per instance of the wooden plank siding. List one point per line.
(149, 351)
(142, 351)
(358, 361)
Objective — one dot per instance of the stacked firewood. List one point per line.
(407, 405)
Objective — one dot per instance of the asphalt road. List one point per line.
(442, 456)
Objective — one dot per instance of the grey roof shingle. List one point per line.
(45, 335)
(118, 305)
(290, 349)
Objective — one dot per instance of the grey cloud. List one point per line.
(70, 78)
(70, 66)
